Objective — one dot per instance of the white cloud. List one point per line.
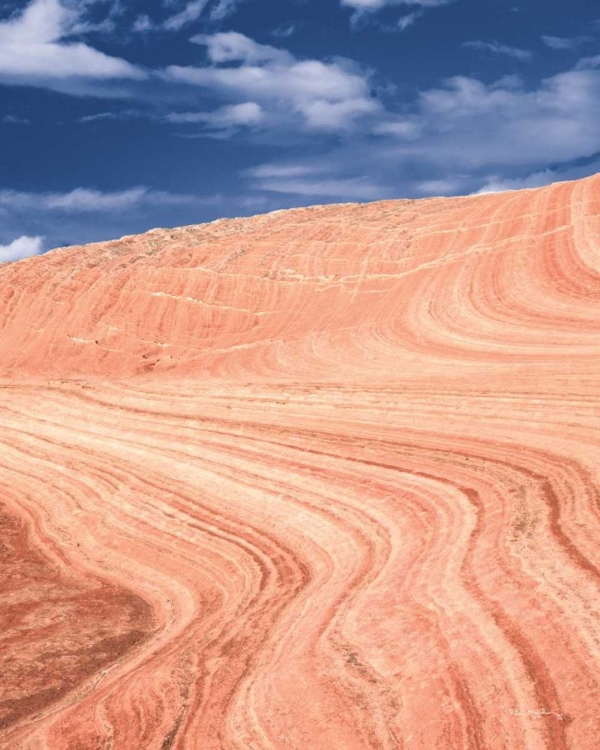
(534, 180)
(367, 9)
(192, 12)
(588, 63)
(501, 49)
(223, 9)
(274, 170)
(15, 120)
(374, 5)
(459, 138)
(405, 128)
(121, 114)
(405, 21)
(442, 186)
(89, 200)
(22, 247)
(367, 5)
(332, 115)
(231, 116)
(285, 31)
(468, 125)
(33, 49)
(143, 24)
(324, 95)
(231, 46)
(539, 178)
(314, 182)
(84, 25)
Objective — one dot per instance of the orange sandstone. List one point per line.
(323, 479)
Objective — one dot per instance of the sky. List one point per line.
(118, 116)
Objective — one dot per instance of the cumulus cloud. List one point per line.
(34, 49)
(22, 247)
(89, 200)
(461, 137)
(234, 47)
(501, 49)
(329, 96)
(468, 125)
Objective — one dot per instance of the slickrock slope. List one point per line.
(325, 479)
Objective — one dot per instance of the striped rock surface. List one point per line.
(325, 479)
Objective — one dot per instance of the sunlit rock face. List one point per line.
(325, 479)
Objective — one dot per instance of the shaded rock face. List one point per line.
(56, 629)
(326, 478)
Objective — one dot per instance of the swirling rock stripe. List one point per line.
(481, 282)
(363, 515)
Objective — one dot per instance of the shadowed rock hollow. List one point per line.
(325, 478)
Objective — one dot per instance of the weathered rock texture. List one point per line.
(326, 479)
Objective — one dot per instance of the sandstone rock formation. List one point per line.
(324, 479)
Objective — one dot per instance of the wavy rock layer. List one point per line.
(326, 478)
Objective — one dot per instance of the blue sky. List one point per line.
(119, 116)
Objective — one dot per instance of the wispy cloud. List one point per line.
(190, 13)
(501, 49)
(405, 21)
(143, 24)
(90, 200)
(452, 185)
(588, 63)
(565, 43)
(117, 115)
(35, 50)
(541, 177)
(284, 31)
(366, 9)
(313, 181)
(15, 120)
(247, 114)
(22, 247)
(375, 5)
(534, 180)
(223, 9)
